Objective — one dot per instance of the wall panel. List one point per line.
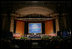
(48, 26)
(20, 27)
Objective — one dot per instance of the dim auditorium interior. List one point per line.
(35, 24)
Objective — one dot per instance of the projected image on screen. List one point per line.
(35, 28)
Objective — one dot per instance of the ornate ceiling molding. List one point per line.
(34, 10)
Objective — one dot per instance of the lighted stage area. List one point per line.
(34, 29)
(37, 29)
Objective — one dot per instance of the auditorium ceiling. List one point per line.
(46, 8)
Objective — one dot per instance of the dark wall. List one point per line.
(68, 19)
(26, 28)
(54, 26)
(5, 25)
(43, 27)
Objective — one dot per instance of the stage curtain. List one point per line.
(20, 27)
(48, 26)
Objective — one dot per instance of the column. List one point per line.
(57, 24)
(12, 24)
